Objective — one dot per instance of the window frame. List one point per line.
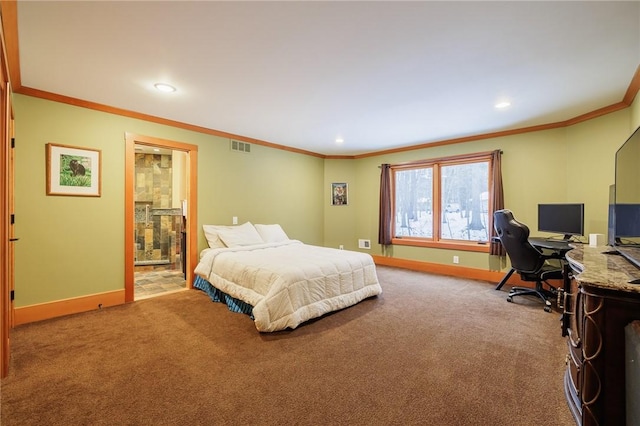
(436, 241)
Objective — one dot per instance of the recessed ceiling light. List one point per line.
(503, 104)
(339, 140)
(163, 87)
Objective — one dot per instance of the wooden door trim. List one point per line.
(7, 190)
(131, 140)
(6, 233)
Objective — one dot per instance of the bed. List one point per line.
(281, 283)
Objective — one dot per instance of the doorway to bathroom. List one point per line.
(160, 214)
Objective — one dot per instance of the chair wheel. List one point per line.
(547, 309)
(509, 299)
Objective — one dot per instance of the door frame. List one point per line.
(7, 228)
(131, 140)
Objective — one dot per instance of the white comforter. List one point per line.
(289, 282)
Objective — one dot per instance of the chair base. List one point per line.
(524, 291)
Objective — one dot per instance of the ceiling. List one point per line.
(379, 75)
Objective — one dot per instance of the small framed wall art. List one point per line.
(339, 194)
(73, 171)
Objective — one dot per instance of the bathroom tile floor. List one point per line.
(155, 283)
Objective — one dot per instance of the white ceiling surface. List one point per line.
(380, 75)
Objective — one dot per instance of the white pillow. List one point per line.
(241, 235)
(271, 233)
(211, 234)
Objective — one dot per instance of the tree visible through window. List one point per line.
(465, 198)
(413, 202)
(442, 201)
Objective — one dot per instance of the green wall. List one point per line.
(635, 114)
(572, 164)
(591, 169)
(339, 220)
(74, 246)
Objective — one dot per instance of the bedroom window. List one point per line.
(444, 202)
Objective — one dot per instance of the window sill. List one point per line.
(444, 245)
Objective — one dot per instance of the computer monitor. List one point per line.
(566, 219)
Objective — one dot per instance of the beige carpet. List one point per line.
(430, 350)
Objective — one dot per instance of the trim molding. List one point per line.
(575, 120)
(9, 12)
(10, 24)
(455, 271)
(59, 308)
(632, 90)
(76, 305)
(36, 93)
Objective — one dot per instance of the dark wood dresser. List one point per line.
(599, 302)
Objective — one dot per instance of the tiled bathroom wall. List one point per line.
(158, 226)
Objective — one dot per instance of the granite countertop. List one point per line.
(597, 267)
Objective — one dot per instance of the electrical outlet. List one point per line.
(456, 259)
(234, 220)
(341, 247)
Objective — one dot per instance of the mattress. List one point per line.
(289, 282)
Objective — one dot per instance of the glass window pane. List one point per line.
(413, 203)
(465, 202)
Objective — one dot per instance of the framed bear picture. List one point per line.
(73, 171)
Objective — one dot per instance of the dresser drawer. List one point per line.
(574, 369)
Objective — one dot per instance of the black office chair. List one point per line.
(530, 263)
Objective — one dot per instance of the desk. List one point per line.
(558, 248)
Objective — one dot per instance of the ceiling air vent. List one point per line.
(240, 146)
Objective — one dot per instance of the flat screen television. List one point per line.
(627, 224)
(611, 226)
(627, 192)
(566, 219)
(626, 211)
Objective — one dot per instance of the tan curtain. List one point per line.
(384, 231)
(498, 201)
